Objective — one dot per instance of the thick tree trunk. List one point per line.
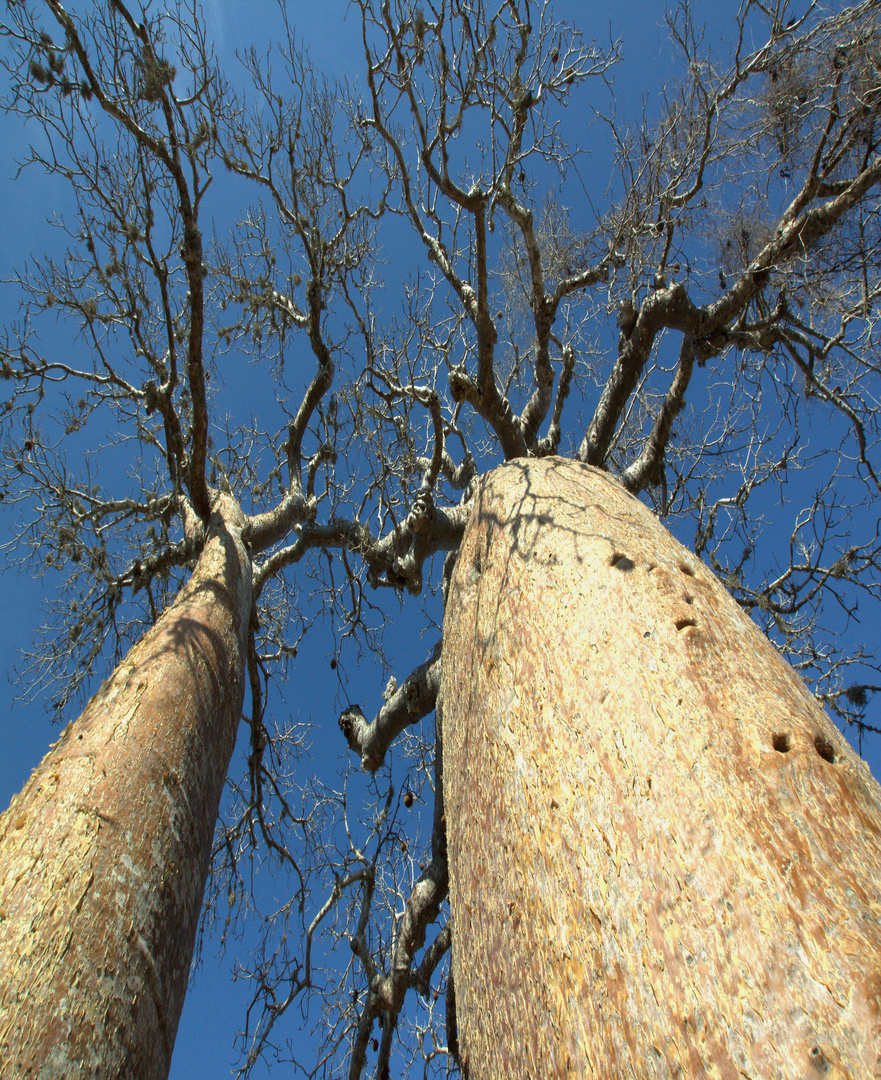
(664, 859)
(104, 854)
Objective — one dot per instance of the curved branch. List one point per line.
(650, 463)
(412, 700)
(668, 308)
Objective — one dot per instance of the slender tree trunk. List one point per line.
(104, 854)
(664, 859)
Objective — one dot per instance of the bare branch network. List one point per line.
(423, 275)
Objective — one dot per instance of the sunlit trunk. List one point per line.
(664, 859)
(104, 854)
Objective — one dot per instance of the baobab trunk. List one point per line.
(664, 859)
(104, 854)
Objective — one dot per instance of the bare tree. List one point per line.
(704, 329)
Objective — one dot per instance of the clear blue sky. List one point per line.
(215, 1006)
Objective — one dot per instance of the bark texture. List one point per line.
(104, 853)
(664, 859)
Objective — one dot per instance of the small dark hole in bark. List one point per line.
(824, 748)
(621, 562)
(686, 569)
(681, 624)
(648, 633)
(689, 599)
(781, 743)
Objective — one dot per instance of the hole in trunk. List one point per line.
(781, 743)
(686, 569)
(681, 624)
(621, 562)
(824, 748)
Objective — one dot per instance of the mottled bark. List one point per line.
(664, 859)
(104, 854)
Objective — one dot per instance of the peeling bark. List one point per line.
(104, 853)
(664, 858)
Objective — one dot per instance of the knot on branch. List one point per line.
(461, 387)
(352, 724)
(191, 247)
(422, 515)
(406, 573)
(314, 295)
(627, 316)
(711, 345)
(151, 397)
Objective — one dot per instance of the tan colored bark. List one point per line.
(664, 858)
(104, 853)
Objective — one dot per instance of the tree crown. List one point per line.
(425, 275)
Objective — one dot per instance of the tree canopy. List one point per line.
(343, 302)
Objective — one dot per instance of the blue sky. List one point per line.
(215, 1006)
